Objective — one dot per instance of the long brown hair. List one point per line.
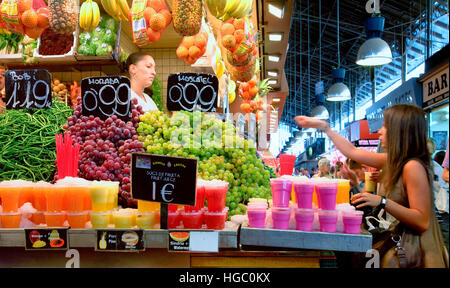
(406, 131)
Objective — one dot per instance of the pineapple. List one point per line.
(63, 15)
(187, 16)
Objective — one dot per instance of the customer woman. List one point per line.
(406, 190)
(141, 68)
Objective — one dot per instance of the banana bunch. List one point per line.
(89, 15)
(226, 9)
(118, 9)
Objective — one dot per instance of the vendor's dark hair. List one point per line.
(134, 58)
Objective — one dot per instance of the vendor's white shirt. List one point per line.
(147, 105)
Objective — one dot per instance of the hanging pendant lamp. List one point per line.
(375, 51)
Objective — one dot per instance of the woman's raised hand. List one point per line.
(308, 122)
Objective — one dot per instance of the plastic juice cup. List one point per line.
(192, 220)
(113, 190)
(38, 218)
(75, 197)
(10, 219)
(199, 200)
(280, 217)
(327, 192)
(304, 219)
(304, 192)
(215, 196)
(173, 220)
(26, 194)
(54, 219)
(147, 206)
(145, 220)
(100, 220)
(172, 208)
(352, 221)
(281, 191)
(87, 200)
(10, 197)
(369, 185)
(256, 217)
(39, 195)
(328, 220)
(123, 219)
(99, 197)
(251, 205)
(343, 191)
(55, 197)
(77, 220)
(216, 220)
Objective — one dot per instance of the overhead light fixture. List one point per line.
(274, 58)
(276, 11)
(375, 51)
(272, 82)
(320, 112)
(276, 37)
(338, 91)
(272, 73)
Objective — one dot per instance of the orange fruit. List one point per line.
(153, 36)
(253, 91)
(182, 52)
(227, 29)
(157, 22)
(246, 95)
(166, 15)
(239, 24)
(29, 18)
(239, 35)
(188, 41)
(229, 41)
(252, 83)
(245, 106)
(24, 5)
(190, 60)
(42, 21)
(200, 41)
(34, 32)
(148, 14)
(156, 4)
(195, 52)
(245, 86)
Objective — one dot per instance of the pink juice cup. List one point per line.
(304, 192)
(280, 218)
(352, 221)
(328, 220)
(199, 200)
(326, 194)
(216, 193)
(304, 219)
(281, 191)
(256, 217)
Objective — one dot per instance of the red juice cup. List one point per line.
(173, 220)
(327, 192)
(199, 200)
(192, 220)
(352, 221)
(328, 220)
(216, 193)
(172, 208)
(216, 220)
(280, 217)
(281, 191)
(304, 219)
(256, 217)
(304, 191)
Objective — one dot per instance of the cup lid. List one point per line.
(100, 213)
(77, 213)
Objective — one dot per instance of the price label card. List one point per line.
(120, 240)
(193, 241)
(186, 91)
(170, 180)
(104, 97)
(46, 239)
(26, 89)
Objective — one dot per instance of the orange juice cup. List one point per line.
(38, 218)
(26, 194)
(343, 194)
(11, 219)
(39, 196)
(147, 206)
(77, 220)
(55, 197)
(10, 195)
(75, 197)
(55, 219)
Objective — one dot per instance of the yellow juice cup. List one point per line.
(100, 220)
(99, 196)
(124, 219)
(148, 206)
(145, 220)
(113, 191)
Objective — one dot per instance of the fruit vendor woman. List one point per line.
(141, 68)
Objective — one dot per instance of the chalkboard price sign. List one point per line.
(186, 91)
(26, 89)
(104, 97)
(170, 180)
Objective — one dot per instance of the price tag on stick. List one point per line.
(104, 97)
(26, 89)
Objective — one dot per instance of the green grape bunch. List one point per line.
(222, 153)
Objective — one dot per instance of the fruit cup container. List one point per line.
(326, 194)
(173, 220)
(55, 196)
(199, 200)
(352, 221)
(123, 219)
(281, 191)
(216, 220)
(100, 220)
(145, 220)
(192, 220)
(216, 193)
(77, 220)
(55, 219)
(10, 197)
(38, 218)
(304, 219)
(256, 216)
(99, 197)
(304, 191)
(10, 219)
(280, 217)
(328, 220)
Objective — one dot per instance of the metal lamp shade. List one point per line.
(339, 92)
(320, 112)
(374, 52)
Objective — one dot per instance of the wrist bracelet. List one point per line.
(383, 202)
